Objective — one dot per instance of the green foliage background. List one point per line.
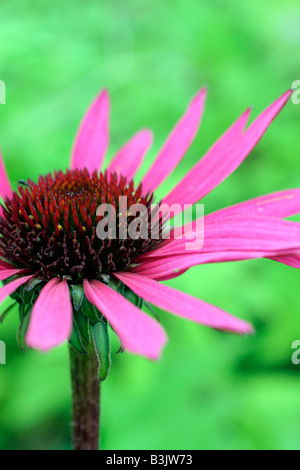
(210, 390)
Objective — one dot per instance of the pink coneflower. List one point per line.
(48, 229)
(58, 270)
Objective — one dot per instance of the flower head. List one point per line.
(49, 227)
(68, 280)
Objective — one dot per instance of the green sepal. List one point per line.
(77, 293)
(151, 310)
(6, 311)
(17, 295)
(21, 333)
(27, 293)
(102, 343)
(90, 311)
(32, 283)
(130, 295)
(75, 340)
(114, 283)
(22, 309)
(31, 291)
(83, 325)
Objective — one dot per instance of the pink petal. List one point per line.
(8, 289)
(6, 273)
(130, 157)
(5, 187)
(280, 204)
(173, 266)
(229, 239)
(51, 317)
(238, 233)
(292, 260)
(208, 164)
(177, 144)
(252, 233)
(138, 332)
(182, 304)
(224, 157)
(93, 136)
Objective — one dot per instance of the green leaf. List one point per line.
(102, 343)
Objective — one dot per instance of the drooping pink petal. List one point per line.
(5, 187)
(8, 289)
(138, 333)
(224, 157)
(51, 317)
(229, 239)
(129, 158)
(169, 267)
(236, 233)
(177, 144)
(292, 260)
(182, 304)
(6, 273)
(279, 204)
(93, 136)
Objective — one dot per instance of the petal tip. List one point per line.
(105, 95)
(247, 329)
(147, 134)
(283, 99)
(200, 96)
(104, 92)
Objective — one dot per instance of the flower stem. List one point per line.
(86, 399)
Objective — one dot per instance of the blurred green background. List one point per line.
(210, 390)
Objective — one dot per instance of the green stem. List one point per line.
(86, 399)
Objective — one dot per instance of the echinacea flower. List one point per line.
(65, 278)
